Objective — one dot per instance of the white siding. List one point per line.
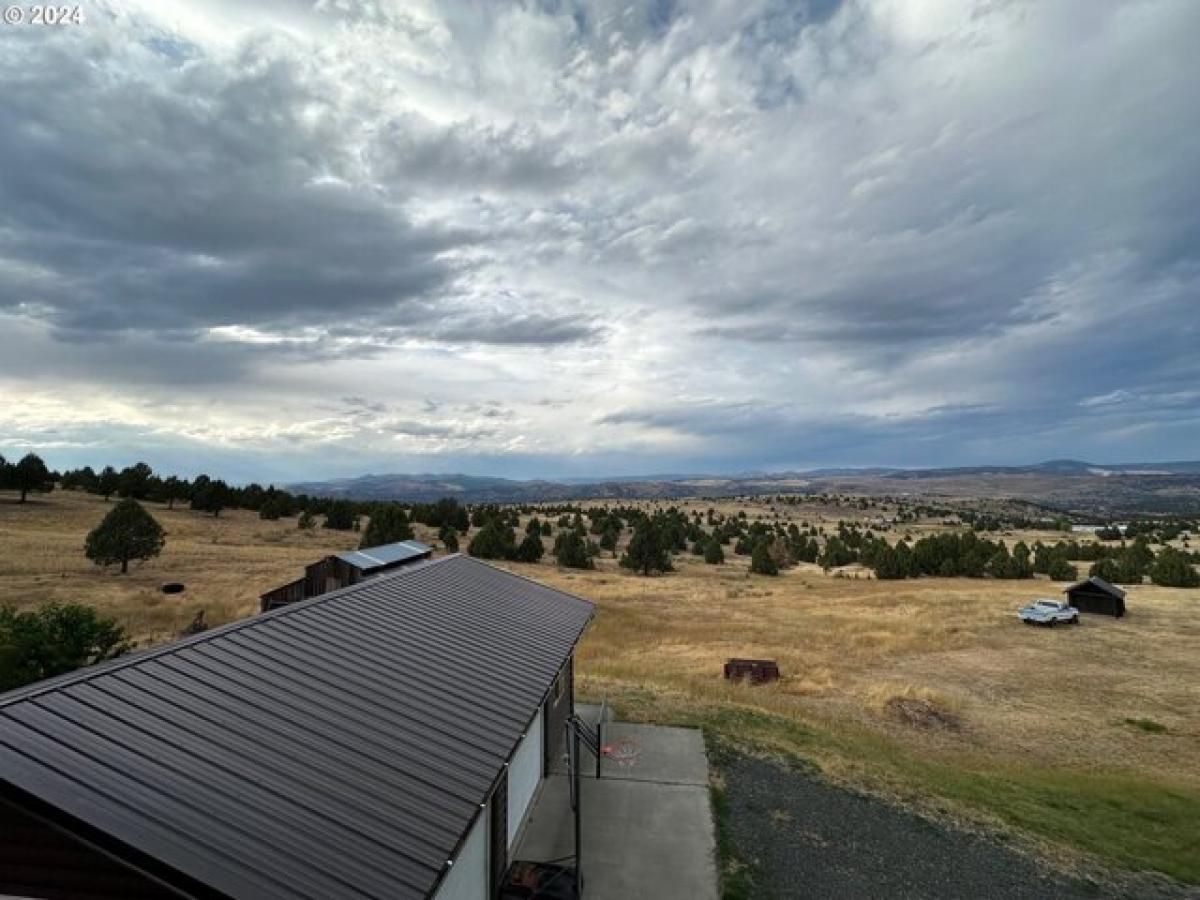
(468, 877)
(524, 775)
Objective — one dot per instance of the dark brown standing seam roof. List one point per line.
(338, 747)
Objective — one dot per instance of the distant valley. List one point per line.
(1064, 485)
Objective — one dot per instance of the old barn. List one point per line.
(385, 740)
(344, 569)
(1095, 595)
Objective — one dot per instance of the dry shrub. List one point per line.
(916, 706)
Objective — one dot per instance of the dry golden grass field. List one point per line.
(225, 562)
(930, 691)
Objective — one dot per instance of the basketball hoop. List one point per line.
(624, 753)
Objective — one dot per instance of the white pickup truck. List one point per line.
(1048, 612)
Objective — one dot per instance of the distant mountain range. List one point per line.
(1062, 484)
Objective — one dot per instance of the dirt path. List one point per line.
(806, 838)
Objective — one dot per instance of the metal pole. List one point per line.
(599, 742)
(578, 816)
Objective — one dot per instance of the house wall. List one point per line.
(524, 776)
(559, 705)
(468, 877)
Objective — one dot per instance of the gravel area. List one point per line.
(806, 838)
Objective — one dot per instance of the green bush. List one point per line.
(53, 640)
(1173, 568)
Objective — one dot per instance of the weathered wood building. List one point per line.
(1095, 595)
(344, 569)
(385, 740)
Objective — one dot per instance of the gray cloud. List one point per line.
(723, 233)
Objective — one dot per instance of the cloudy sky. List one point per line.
(290, 239)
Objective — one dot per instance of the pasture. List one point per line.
(1083, 742)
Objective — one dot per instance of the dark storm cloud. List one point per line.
(519, 330)
(138, 193)
(157, 198)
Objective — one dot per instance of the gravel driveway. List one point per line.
(806, 838)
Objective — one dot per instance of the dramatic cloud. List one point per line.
(310, 238)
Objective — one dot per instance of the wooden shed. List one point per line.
(344, 569)
(1097, 596)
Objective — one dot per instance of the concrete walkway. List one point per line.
(647, 822)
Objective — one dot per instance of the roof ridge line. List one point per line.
(80, 676)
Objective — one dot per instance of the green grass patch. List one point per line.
(1129, 821)
(1147, 725)
(737, 875)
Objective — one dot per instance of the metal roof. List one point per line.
(1098, 582)
(338, 747)
(385, 554)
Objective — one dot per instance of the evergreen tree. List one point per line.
(888, 564)
(1061, 570)
(448, 535)
(713, 554)
(492, 541)
(388, 523)
(134, 481)
(1173, 568)
(107, 480)
(173, 489)
(609, 536)
(531, 549)
(646, 552)
(762, 562)
(30, 474)
(339, 516)
(1107, 569)
(571, 550)
(127, 532)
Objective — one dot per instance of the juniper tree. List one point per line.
(530, 550)
(493, 541)
(1173, 568)
(30, 474)
(107, 481)
(388, 524)
(647, 551)
(571, 550)
(762, 562)
(127, 532)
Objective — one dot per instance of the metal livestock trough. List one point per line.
(759, 671)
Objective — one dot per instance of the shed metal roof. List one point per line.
(338, 747)
(1097, 582)
(384, 555)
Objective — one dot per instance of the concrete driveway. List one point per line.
(647, 821)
